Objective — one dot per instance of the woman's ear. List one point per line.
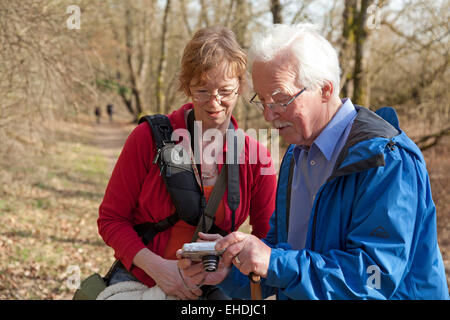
(327, 92)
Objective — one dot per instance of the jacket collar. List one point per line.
(366, 126)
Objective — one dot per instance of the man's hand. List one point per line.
(248, 253)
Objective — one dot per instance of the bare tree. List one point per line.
(352, 54)
(129, 52)
(359, 75)
(43, 65)
(276, 8)
(185, 15)
(162, 61)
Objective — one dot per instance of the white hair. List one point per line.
(317, 60)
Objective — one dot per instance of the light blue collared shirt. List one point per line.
(313, 167)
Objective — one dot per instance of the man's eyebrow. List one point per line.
(277, 91)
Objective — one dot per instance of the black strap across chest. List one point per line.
(162, 133)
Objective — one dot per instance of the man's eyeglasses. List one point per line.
(275, 106)
(222, 95)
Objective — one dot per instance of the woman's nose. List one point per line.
(213, 100)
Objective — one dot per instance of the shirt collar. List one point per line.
(329, 137)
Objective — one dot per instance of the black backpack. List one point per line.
(179, 178)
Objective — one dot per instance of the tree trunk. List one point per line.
(275, 8)
(162, 62)
(348, 38)
(354, 78)
(359, 73)
(241, 19)
(185, 16)
(204, 21)
(129, 54)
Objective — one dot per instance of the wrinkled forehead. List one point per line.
(274, 77)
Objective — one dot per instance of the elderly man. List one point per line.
(354, 216)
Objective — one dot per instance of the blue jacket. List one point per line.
(372, 231)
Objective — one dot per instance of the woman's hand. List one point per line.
(166, 275)
(173, 282)
(195, 272)
(207, 237)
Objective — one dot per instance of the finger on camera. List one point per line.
(179, 254)
(208, 236)
(232, 251)
(184, 263)
(232, 238)
(193, 269)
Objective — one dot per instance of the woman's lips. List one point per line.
(215, 114)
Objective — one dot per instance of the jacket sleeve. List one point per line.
(378, 240)
(115, 221)
(237, 285)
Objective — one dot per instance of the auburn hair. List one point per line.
(209, 48)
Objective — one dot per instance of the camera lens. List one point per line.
(210, 262)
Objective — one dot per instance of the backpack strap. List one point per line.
(212, 205)
(233, 181)
(161, 128)
(148, 230)
(162, 134)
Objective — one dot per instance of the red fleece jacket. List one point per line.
(136, 194)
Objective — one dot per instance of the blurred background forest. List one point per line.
(59, 59)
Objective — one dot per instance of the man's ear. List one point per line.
(327, 92)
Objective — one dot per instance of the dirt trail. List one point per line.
(110, 138)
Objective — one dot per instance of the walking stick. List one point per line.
(255, 286)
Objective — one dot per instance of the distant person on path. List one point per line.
(110, 111)
(98, 114)
(213, 74)
(354, 218)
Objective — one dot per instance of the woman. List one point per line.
(212, 75)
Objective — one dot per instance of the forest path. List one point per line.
(110, 138)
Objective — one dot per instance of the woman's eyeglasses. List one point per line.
(221, 95)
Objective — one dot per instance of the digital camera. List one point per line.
(204, 252)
